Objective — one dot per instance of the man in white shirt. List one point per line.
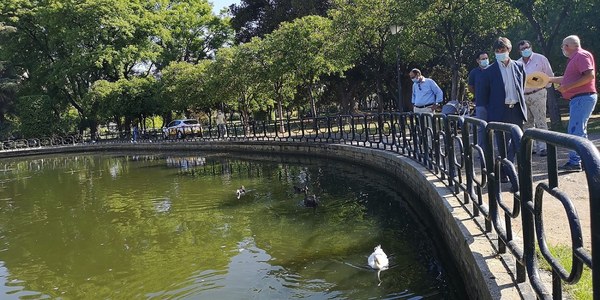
(221, 120)
(535, 98)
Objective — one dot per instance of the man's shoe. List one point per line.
(568, 167)
(543, 153)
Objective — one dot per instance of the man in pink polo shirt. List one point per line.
(578, 85)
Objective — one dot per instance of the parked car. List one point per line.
(182, 128)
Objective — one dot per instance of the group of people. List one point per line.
(501, 94)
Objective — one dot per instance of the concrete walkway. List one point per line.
(555, 220)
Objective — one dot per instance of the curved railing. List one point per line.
(471, 165)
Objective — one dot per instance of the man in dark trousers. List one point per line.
(483, 62)
(502, 92)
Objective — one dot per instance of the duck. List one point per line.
(310, 200)
(300, 190)
(378, 260)
(240, 192)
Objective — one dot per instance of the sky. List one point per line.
(218, 4)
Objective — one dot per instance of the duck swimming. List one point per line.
(310, 200)
(240, 192)
(378, 260)
(300, 190)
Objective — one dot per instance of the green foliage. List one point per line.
(257, 18)
(236, 79)
(303, 51)
(185, 87)
(188, 31)
(72, 45)
(127, 60)
(129, 98)
(38, 116)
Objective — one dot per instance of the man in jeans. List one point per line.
(535, 98)
(578, 86)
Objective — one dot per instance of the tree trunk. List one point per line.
(379, 96)
(280, 115)
(313, 107)
(454, 83)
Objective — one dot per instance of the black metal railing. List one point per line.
(471, 156)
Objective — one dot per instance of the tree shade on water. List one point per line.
(157, 226)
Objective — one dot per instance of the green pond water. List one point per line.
(155, 226)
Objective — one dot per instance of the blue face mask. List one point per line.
(484, 63)
(415, 80)
(501, 57)
(526, 53)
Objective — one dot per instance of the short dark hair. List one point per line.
(416, 71)
(523, 42)
(502, 42)
(480, 53)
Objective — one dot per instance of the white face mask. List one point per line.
(502, 57)
(565, 53)
(484, 63)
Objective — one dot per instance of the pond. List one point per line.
(157, 226)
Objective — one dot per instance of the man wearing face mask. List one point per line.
(535, 98)
(474, 79)
(502, 92)
(578, 85)
(426, 94)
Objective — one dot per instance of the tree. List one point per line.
(189, 31)
(235, 80)
(546, 19)
(184, 88)
(304, 50)
(363, 28)
(67, 46)
(9, 83)
(457, 30)
(256, 18)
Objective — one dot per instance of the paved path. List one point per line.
(554, 216)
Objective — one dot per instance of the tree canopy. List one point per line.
(83, 63)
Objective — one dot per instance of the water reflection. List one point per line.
(157, 226)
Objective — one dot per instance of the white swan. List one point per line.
(240, 192)
(378, 260)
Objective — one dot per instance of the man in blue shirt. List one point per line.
(426, 94)
(474, 79)
(475, 75)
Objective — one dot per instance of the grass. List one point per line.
(583, 289)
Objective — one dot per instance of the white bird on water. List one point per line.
(240, 192)
(378, 260)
